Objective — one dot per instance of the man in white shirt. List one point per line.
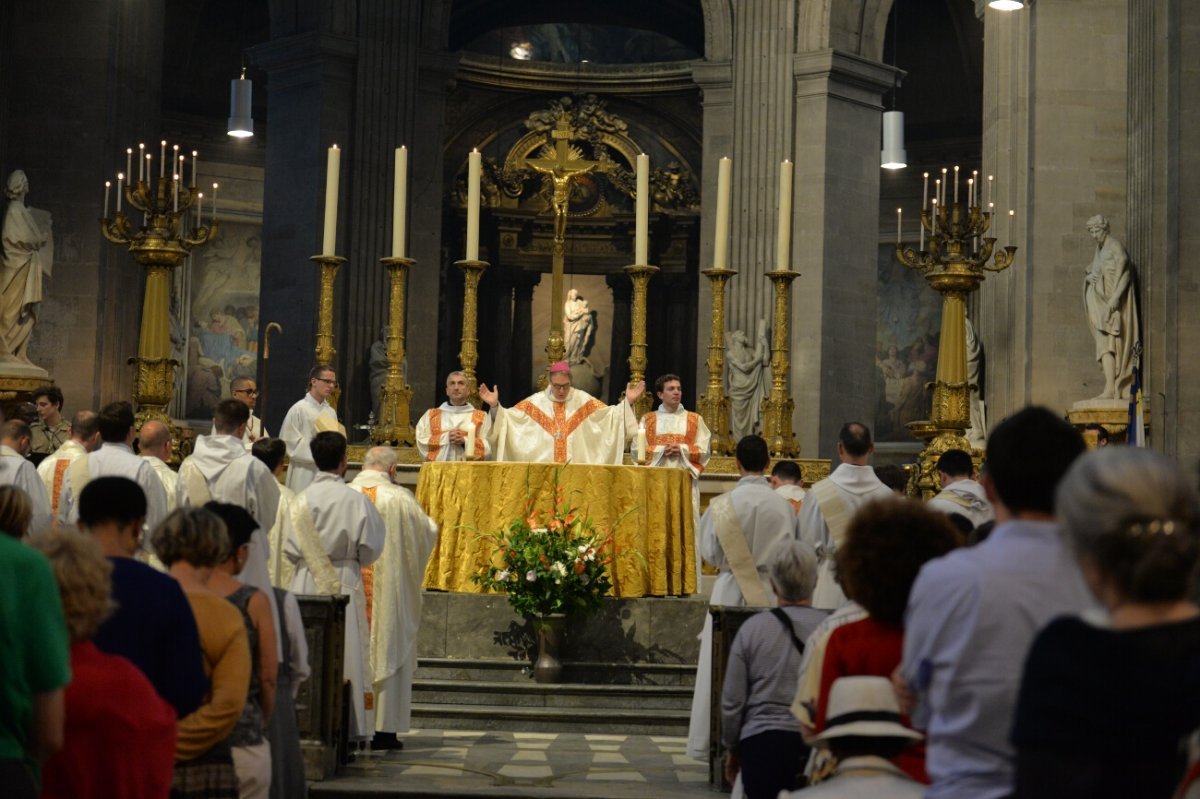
(16, 442)
(154, 445)
(245, 391)
(311, 415)
(787, 479)
(455, 430)
(831, 503)
(332, 532)
(960, 493)
(84, 438)
(114, 458)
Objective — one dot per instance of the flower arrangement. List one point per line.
(556, 564)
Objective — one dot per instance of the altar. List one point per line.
(467, 499)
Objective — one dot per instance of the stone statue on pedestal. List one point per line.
(579, 327)
(977, 432)
(746, 379)
(28, 254)
(1111, 305)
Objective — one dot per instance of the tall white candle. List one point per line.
(195, 163)
(933, 214)
(945, 182)
(149, 168)
(1011, 214)
(975, 181)
(925, 192)
(970, 192)
(214, 211)
(989, 197)
(199, 209)
(182, 165)
(120, 189)
(399, 199)
(175, 191)
(129, 161)
(641, 238)
(107, 191)
(332, 167)
(721, 242)
(474, 162)
(956, 184)
(175, 159)
(783, 240)
(162, 160)
(141, 163)
(899, 216)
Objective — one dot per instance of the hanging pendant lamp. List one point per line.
(241, 122)
(893, 155)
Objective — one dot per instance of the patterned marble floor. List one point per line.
(516, 764)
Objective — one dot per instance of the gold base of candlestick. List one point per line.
(713, 404)
(778, 407)
(468, 353)
(394, 424)
(640, 274)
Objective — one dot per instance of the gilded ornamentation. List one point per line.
(394, 425)
(324, 351)
(713, 404)
(778, 407)
(468, 353)
(673, 188)
(640, 274)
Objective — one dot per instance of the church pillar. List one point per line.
(521, 349)
(1055, 137)
(622, 328)
(835, 243)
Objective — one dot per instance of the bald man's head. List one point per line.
(155, 439)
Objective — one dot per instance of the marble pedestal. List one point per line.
(1112, 415)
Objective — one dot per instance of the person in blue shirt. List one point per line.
(973, 614)
(152, 625)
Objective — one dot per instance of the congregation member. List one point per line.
(16, 470)
(562, 424)
(16, 512)
(1105, 706)
(788, 481)
(886, 544)
(84, 438)
(831, 504)
(737, 534)
(865, 734)
(154, 445)
(1095, 435)
(245, 391)
(283, 732)
(331, 534)
(393, 592)
(762, 738)
(191, 542)
(50, 431)
(960, 493)
(455, 430)
(114, 458)
(894, 477)
(34, 648)
(272, 453)
(312, 414)
(152, 623)
(973, 614)
(119, 734)
(251, 751)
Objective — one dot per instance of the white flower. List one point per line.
(559, 569)
(531, 576)
(502, 575)
(583, 548)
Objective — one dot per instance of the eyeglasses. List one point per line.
(253, 392)
(327, 381)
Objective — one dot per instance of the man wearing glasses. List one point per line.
(311, 415)
(245, 391)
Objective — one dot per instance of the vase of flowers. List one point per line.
(551, 566)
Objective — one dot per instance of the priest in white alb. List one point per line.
(455, 430)
(312, 414)
(393, 591)
(85, 438)
(673, 436)
(562, 424)
(332, 532)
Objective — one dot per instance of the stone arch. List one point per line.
(718, 29)
(852, 26)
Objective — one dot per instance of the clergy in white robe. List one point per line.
(332, 532)
(562, 424)
(84, 438)
(395, 588)
(455, 430)
(830, 504)
(154, 445)
(271, 452)
(16, 442)
(221, 470)
(311, 415)
(787, 479)
(737, 533)
(114, 458)
(245, 391)
(960, 493)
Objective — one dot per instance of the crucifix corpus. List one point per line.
(558, 173)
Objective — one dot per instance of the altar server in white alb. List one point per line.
(455, 430)
(394, 591)
(562, 423)
(115, 458)
(961, 493)
(672, 435)
(311, 415)
(333, 532)
(16, 442)
(221, 470)
(830, 504)
(85, 438)
(154, 445)
(737, 533)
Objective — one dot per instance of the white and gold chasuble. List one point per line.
(580, 430)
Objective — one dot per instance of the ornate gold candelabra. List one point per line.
(468, 353)
(159, 245)
(640, 274)
(778, 407)
(954, 264)
(393, 425)
(324, 353)
(713, 404)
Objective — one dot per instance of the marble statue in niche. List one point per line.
(1111, 305)
(579, 327)
(28, 255)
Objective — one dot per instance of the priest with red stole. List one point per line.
(562, 424)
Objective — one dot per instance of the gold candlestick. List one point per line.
(394, 426)
(713, 404)
(954, 265)
(640, 274)
(468, 354)
(778, 408)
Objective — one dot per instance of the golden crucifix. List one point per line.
(558, 173)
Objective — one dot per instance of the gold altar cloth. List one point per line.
(466, 499)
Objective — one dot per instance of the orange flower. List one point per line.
(579, 567)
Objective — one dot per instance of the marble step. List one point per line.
(561, 695)
(574, 671)
(549, 719)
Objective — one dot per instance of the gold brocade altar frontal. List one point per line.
(466, 499)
